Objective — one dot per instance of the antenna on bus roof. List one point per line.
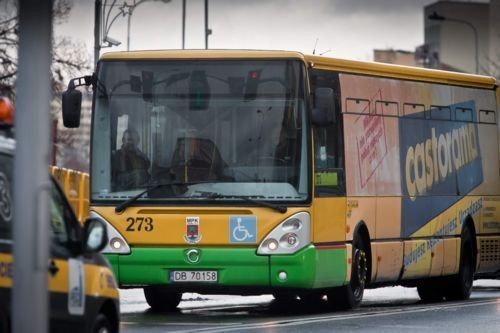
(325, 52)
(315, 44)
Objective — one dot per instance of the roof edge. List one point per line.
(403, 72)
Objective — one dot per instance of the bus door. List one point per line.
(329, 175)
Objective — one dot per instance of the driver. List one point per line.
(129, 165)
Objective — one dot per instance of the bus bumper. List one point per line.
(240, 270)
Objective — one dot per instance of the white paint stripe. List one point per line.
(134, 323)
(297, 322)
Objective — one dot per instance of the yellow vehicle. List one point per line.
(82, 289)
(253, 172)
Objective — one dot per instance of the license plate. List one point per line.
(193, 276)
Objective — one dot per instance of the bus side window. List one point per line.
(328, 142)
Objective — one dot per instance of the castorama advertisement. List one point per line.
(440, 163)
(413, 152)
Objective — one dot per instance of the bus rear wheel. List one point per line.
(160, 299)
(431, 291)
(460, 285)
(350, 296)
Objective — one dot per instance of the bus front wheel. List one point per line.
(350, 295)
(160, 299)
(284, 297)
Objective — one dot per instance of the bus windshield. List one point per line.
(235, 128)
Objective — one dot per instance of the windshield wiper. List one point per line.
(213, 195)
(209, 195)
(121, 207)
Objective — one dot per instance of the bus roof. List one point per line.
(202, 54)
(320, 62)
(402, 72)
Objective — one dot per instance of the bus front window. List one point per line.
(232, 127)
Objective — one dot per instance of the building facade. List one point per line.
(459, 35)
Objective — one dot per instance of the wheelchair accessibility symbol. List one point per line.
(243, 229)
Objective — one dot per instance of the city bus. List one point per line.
(305, 177)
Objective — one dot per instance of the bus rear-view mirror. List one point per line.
(71, 107)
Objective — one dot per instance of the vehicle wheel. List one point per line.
(102, 324)
(431, 291)
(460, 285)
(350, 296)
(161, 300)
(279, 297)
(312, 298)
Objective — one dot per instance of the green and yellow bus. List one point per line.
(252, 172)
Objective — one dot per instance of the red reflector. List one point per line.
(255, 75)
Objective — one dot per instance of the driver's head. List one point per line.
(130, 139)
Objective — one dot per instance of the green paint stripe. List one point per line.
(309, 268)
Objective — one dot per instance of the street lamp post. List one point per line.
(97, 31)
(436, 17)
(101, 20)
(183, 24)
(103, 23)
(207, 30)
(127, 9)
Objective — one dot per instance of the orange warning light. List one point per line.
(6, 111)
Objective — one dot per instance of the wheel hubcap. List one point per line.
(361, 269)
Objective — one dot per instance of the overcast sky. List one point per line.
(345, 28)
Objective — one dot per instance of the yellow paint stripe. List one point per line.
(6, 270)
(99, 280)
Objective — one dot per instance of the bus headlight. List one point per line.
(289, 240)
(116, 244)
(270, 245)
(288, 237)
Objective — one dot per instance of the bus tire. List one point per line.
(312, 298)
(102, 325)
(284, 297)
(460, 285)
(161, 300)
(350, 296)
(431, 291)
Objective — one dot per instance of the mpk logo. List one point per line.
(193, 235)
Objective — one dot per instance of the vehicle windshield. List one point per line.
(232, 127)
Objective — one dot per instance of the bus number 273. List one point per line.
(140, 224)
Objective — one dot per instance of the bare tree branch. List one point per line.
(8, 76)
(69, 59)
